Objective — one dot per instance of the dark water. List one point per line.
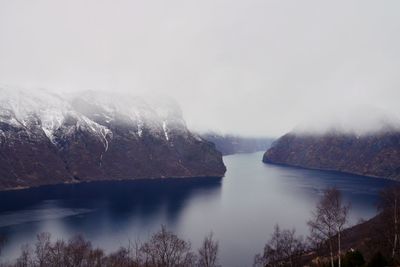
(241, 209)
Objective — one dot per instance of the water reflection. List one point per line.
(108, 213)
(241, 209)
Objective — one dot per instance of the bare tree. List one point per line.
(342, 211)
(2, 242)
(77, 251)
(42, 249)
(328, 221)
(57, 254)
(283, 249)
(95, 258)
(26, 257)
(121, 258)
(165, 249)
(390, 212)
(208, 253)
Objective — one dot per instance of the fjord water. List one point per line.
(241, 208)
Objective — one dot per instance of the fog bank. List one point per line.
(243, 67)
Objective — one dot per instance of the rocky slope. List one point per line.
(231, 144)
(376, 154)
(47, 138)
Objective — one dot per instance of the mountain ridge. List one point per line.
(48, 138)
(376, 154)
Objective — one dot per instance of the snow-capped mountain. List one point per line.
(52, 138)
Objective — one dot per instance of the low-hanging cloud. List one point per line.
(246, 67)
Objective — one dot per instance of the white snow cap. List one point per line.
(93, 111)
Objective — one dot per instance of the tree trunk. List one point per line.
(339, 250)
(395, 228)
(331, 251)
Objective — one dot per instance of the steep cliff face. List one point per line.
(47, 138)
(375, 154)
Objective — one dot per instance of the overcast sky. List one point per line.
(246, 67)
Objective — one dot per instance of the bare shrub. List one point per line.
(163, 249)
(167, 250)
(283, 249)
(208, 253)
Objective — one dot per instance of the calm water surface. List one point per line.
(241, 209)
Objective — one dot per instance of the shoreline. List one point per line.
(329, 170)
(22, 188)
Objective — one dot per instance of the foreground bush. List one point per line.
(283, 249)
(353, 259)
(378, 260)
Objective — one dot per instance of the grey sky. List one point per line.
(247, 67)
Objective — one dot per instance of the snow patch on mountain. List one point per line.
(92, 112)
(165, 130)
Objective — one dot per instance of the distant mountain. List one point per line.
(47, 138)
(371, 154)
(231, 144)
